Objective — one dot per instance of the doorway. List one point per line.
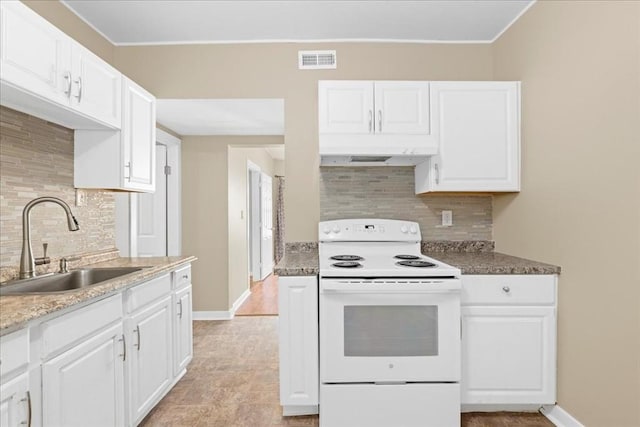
(260, 224)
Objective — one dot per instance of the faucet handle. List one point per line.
(44, 259)
(44, 248)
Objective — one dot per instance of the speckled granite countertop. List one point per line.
(17, 310)
(301, 259)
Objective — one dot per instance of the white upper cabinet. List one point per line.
(120, 159)
(477, 125)
(95, 87)
(45, 73)
(374, 118)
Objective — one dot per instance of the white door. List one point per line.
(15, 402)
(345, 107)
(266, 221)
(151, 356)
(183, 330)
(255, 241)
(402, 107)
(85, 385)
(152, 211)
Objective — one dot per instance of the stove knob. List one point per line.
(413, 230)
(404, 229)
(326, 229)
(336, 229)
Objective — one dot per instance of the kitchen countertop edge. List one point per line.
(17, 311)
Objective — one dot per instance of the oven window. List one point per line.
(390, 330)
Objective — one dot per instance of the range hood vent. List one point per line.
(369, 159)
(364, 160)
(317, 59)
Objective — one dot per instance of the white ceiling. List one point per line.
(185, 21)
(222, 116)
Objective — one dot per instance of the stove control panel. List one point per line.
(368, 230)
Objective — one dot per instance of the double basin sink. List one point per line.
(65, 282)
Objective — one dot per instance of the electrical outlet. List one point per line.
(81, 197)
(447, 218)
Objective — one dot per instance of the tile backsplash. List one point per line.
(388, 192)
(36, 159)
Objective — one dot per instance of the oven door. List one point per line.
(385, 331)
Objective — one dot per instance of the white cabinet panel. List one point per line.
(477, 125)
(96, 87)
(183, 334)
(35, 54)
(84, 386)
(149, 335)
(402, 107)
(345, 107)
(508, 355)
(298, 335)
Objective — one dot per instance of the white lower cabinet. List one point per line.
(508, 341)
(84, 386)
(298, 344)
(183, 332)
(150, 367)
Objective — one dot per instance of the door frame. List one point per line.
(252, 240)
(127, 205)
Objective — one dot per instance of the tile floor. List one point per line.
(233, 382)
(263, 300)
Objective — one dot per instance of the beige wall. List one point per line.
(238, 214)
(270, 71)
(580, 200)
(67, 21)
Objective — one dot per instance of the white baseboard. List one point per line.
(240, 300)
(222, 315)
(559, 416)
(212, 315)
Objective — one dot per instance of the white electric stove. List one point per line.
(389, 328)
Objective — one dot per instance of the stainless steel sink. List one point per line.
(65, 282)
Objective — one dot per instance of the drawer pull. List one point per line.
(506, 289)
(186, 276)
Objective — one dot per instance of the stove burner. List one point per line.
(346, 258)
(347, 264)
(414, 263)
(407, 257)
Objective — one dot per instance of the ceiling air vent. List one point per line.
(316, 59)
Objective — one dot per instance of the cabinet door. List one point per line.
(150, 357)
(138, 137)
(478, 128)
(183, 334)
(345, 107)
(84, 386)
(401, 107)
(97, 87)
(34, 54)
(298, 335)
(508, 355)
(15, 402)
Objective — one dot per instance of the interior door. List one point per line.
(254, 225)
(152, 212)
(266, 221)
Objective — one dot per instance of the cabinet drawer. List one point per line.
(145, 293)
(14, 351)
(508, 289)
(182, 277)
(65, 330)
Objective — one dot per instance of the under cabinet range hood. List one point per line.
(370, 160)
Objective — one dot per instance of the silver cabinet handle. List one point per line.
(437, 173)
(370, 121)
(180, 313)
(124, 348)
(186, 276)
(67, 77)
(379, 120)
(137, 331)
(127, 174)
(506, 289)
(78, 81)
(28, 400)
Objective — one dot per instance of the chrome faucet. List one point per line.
(27, 262)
